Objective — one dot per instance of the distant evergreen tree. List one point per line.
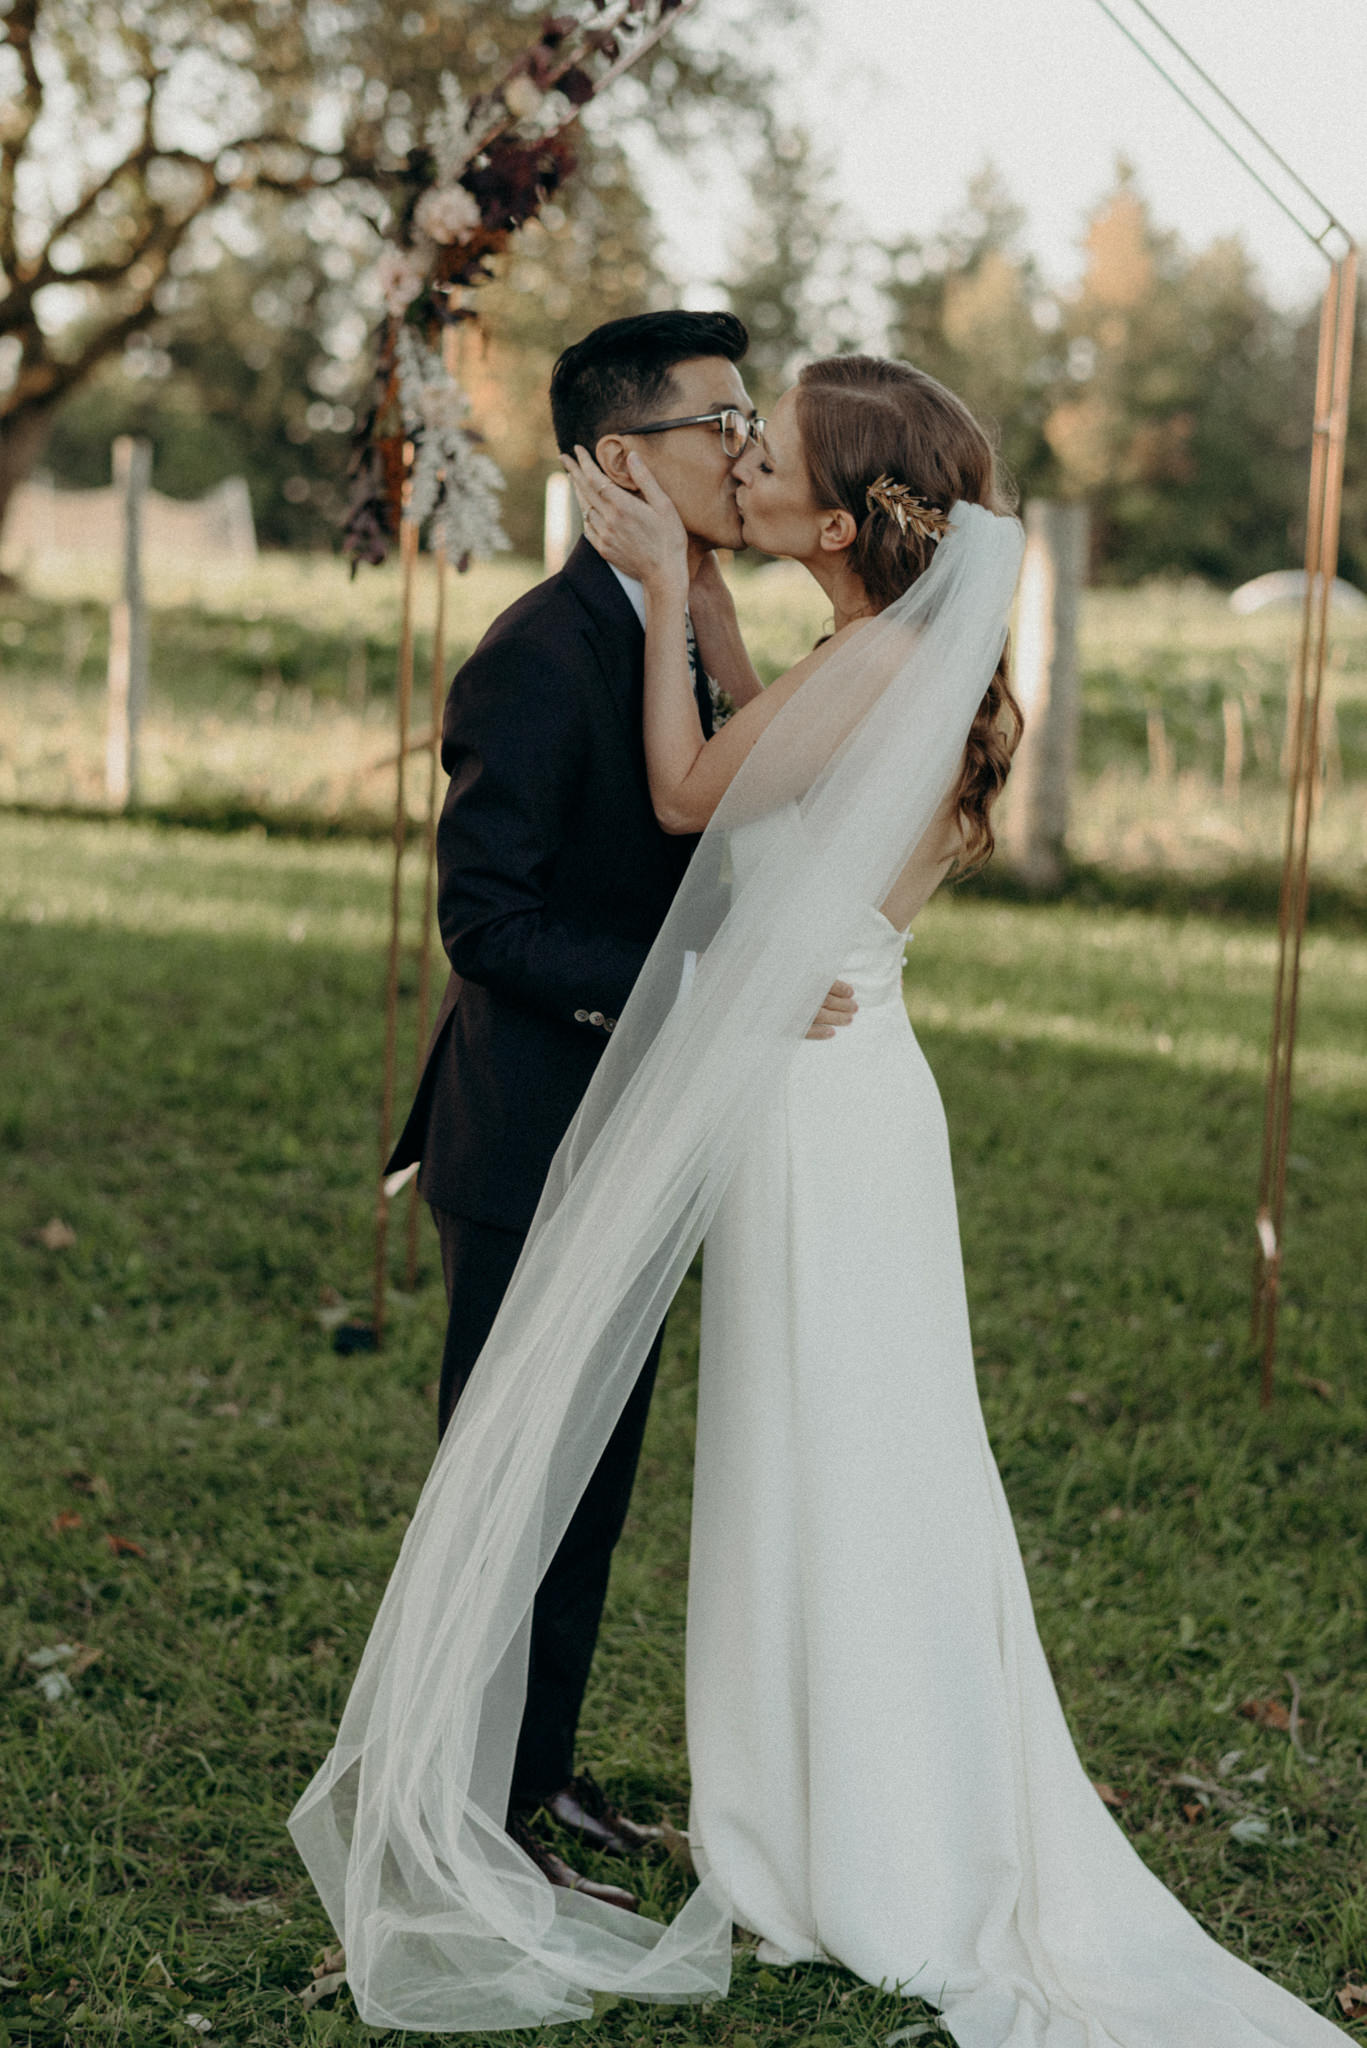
(1177, 416)
(786, 277)
(967, 305)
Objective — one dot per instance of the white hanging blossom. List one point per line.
(400, 275)
(446, 213)
(523, 98)
(454, 483)
(448, 131)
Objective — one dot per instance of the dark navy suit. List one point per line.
(553, 880)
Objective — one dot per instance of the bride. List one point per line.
(882, 1775)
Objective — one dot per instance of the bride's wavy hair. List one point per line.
(863, 418)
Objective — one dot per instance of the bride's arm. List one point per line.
(689, 775)
(721, 649)
(643, 536)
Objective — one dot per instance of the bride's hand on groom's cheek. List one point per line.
(638, 531)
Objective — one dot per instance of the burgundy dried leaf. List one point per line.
(577, 87)
(1267, 1713)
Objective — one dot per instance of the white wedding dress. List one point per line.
(882, 1775)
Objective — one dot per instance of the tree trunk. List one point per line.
(1046, 682)
(22, 439)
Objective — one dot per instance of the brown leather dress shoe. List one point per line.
(555, 1869)
(584, 1808)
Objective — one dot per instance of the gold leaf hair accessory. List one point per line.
(912, 514)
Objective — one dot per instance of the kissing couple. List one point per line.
(676, 905)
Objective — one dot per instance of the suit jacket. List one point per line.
(553, 880)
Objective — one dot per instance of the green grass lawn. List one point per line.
(203, 1500)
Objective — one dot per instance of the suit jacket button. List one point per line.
(595, 1016)
(581, 1016)
(608, 1023)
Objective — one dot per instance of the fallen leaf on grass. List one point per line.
(67, 1519)
(50, 1654)
(330, 1961)
(1352, 2000)
(1186, 1781)
(157, 1973)
(677, 1849)
(124, 1546)
(268, 1908)
(321, 1988)
(1110, 1797)
(197, 2023)
(1326, 1390)
(56, 1235)
(1193, 1810)
(1250, 1829)
(1267, 1713)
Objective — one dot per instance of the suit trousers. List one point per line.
(477, 1262)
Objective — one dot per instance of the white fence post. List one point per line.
(1047, 686)
(127, 630)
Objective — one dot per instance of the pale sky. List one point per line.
(907, 98)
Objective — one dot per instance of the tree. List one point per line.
(1181, 424)
(259, 361)
(140, 131)
(967, 305)
(785, 279)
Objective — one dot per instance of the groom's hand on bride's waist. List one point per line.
(839, 1008)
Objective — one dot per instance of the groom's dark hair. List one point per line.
(619, 376)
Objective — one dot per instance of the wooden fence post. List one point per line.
(132, 463)
(1046, 683)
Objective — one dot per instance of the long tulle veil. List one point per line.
(447, 1925)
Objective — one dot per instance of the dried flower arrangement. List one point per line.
(487, 166)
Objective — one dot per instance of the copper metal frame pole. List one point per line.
(438, 694)
(1332, 382)
(408, 549)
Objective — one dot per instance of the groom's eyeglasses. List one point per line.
(737, 432)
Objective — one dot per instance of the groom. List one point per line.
(553, 880)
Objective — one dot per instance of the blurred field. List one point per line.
(272, 697)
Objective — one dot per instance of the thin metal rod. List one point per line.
(408, 551)
(1331, 219)
(437, 691)
(1332, 384)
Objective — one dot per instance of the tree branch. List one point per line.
(44, 379)
(19, 25)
